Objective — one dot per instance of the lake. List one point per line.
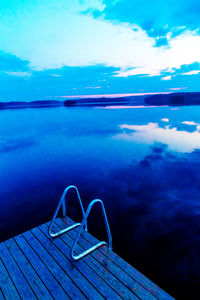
(144, 163)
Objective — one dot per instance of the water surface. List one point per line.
(144, 163)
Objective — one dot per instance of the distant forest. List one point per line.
(174, 99)
(171, 99)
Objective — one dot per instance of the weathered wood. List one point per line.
(15, 273)
(63, 278)
(43, 272)
(35, 266)
(102, 271)
(66, 266)
(7, 287)
(123, 265)
(1, 295)
(105, 264)
(28, 271)
(93, 278)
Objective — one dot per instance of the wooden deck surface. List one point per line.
(34, 266)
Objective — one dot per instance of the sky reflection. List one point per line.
(126, 106)
(152, 191)
(165, 119)
(190, 123)
(177, 140)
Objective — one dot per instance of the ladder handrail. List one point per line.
(84, 221)
(62, 202)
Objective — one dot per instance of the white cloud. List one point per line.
(19, 74)
(51, 34)
(182, 50)
(189, 123)
(137, 71)
(177, 88)
(195, 72)
(177, 140)
(93, 87)
(167, 77)
(55, 75)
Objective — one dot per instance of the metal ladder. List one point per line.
(83, 224)
(62, 203)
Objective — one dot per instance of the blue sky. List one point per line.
(50, 49)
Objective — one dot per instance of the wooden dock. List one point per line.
(34, 266)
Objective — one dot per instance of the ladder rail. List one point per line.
(62, 203)
(84, 221)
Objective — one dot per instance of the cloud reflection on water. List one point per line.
(177, 140)
(18, 142)
(165, 120)
(190, 123)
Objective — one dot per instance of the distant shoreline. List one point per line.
(32, 104)
(172, 99)
(138, 100)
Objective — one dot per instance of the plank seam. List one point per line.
(2, 293)
(79, 270)
(97, 273)
(10, 279)
(21, 273)
(60, 265)
(32, 268)
(45, 266)
(98, 262)
(117, 264)
(70, 262)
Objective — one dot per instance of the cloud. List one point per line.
(162, 213)
(190, 123)
(90, 42)
(51, 36)
(19, 74)
(177, 140)
(16, 142)
(182, 50)
(177, 88)
(167, 77)
(42, 85)
(9, 62)
(195, 72)
(73, 80)
(55, 75)
(93, 87)
(137, 71)
(158, 17)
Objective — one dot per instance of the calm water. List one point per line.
(143, 162)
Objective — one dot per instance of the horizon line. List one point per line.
(112, 95)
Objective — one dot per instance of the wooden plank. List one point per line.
(1, 295)
(105, 263)
(29, 273)
(15, 273)
(130, 270)
(41, 269)
(65, 264)
(111, 278)
(32, 265)
(102, 271)
(96, 281)
(8, 289)
(64, 280)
